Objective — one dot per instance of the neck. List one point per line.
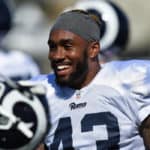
(90, 75)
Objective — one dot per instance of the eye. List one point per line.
(67, 46)
(52, 46)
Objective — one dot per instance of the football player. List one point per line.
(14, 63)
(93, 106)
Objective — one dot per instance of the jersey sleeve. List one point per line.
(141, 92)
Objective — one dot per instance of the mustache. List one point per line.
(60, 62)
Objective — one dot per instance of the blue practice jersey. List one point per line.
(104, 115)
(17, 65)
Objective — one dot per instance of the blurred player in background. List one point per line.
(114, 26)
(21, 126)
(14, 63)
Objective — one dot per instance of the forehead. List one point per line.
(58, 35)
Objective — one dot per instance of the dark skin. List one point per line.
(73, 59)
(41, 147)
(145, 132)
(67, 52)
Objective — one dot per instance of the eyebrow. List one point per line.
(63, 41)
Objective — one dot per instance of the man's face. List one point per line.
(68, 55)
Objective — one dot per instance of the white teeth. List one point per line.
(62, 67)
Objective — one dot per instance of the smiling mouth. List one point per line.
(62, 70)
(62, 67)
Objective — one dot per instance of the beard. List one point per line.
(77, 77)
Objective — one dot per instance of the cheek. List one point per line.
(78, 61)
(73, 54)
(76, 54)
(50, 56)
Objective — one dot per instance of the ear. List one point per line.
(94, 49)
